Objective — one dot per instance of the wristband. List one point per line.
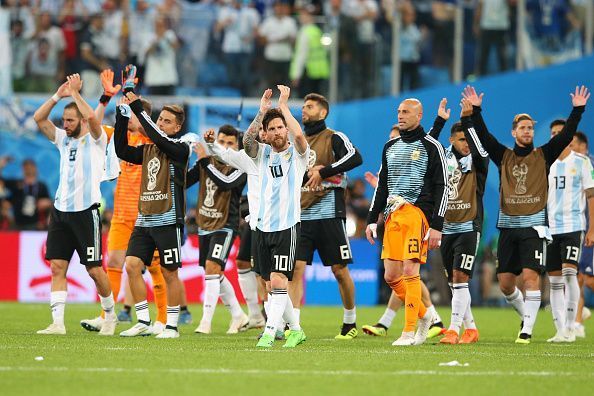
(56, 98)
(104, 99)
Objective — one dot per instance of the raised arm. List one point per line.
(479, 156)
(75, 84)
(109, 91)
(173, 148)
(493, 147)
(292, 123)
(42, 114)
(237, 159)
(553, 148)
(250, 144)
(124, 151)
(443, 115)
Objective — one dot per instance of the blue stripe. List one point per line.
(87, 172)
(263, 182)
(536, 219)
(324, 209)
(292, 170)
(71, 182)
(559, 193)
(457, 228)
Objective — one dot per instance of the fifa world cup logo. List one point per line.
(153, 167)
(311, 160)
(211, 188)
(453, 184)
(520, 172)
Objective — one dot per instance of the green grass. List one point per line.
(83, 363)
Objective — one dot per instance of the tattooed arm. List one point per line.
(249, 139)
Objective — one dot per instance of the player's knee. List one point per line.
(243, 265)
(589, 281)
(507, 289)
(212, 268)
(278, 281)
(341, 272)
(95, 272)
(169, 274)
(460, 277)
(58, 268)
(134, 267)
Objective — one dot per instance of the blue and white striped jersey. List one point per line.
(568, 180)
(82, 168)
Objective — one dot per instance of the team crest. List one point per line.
(573, 171)
(287, 155)
(415, 155)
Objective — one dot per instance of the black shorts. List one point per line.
(80, 231)
(520, 248)
(215, 246)
(245, 243)
(166, 239)
(275, 252)
(458, 252)
(565, 249)
(329, 238)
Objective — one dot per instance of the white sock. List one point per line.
(297, 313)
(469, 318)
(229, 298)
(436, 317)
(278, 302)
(349, 316)
(267, 305)
(572, 288)
(460, 302)
(387, 318)
(290, 316)
(249, 289)
(212, 290)
(531, 305)
(57, 305)
(557, 302)
(142, 312)
(516, 299)
(172, 317)
(107, 304)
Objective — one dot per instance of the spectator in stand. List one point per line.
(71, 18)
(239, 23)
(444, 13)
(160, 60)
(364, 12)
(20, 10)
(29, 197)
(19, 45)
(550, 21)
(310, 68)
(42, 67)
(410, 48)
(171, 10)
(55, 43)
(141, 27)
(491, 26)
(277, 33)
(114, 45)
(93, 59)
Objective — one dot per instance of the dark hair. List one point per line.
(559, 121)
(457, 127)
(72, 105)
(147, 106)
(521, 117)
(177, 111)
(229, 130)
(271, 115)
(319, 99)
(581, 136)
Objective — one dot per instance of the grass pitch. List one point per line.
(84, 363)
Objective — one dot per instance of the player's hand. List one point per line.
(589, 239)
(470, 94)
(209, 136)
(107, 83)
(466, 108)
(371, 179)
(442, 111)
(200, 151)
(285, 92)
(64, 90)
(580, 97)
(74, 82)
(434, 238)
(266, 102)
(131, 96)
(129, 79)
(315, 179)
(371, 233)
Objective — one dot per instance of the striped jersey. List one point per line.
(127, 190)
(413, 168)
(568, 180)
(161, 219)
(82, 167)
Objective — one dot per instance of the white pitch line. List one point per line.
(463, 372)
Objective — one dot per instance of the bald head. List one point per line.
(410, 113)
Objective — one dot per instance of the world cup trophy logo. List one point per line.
(453, 181)
(211, 188)
(311, 160)
(153, 167)
(520, 172)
